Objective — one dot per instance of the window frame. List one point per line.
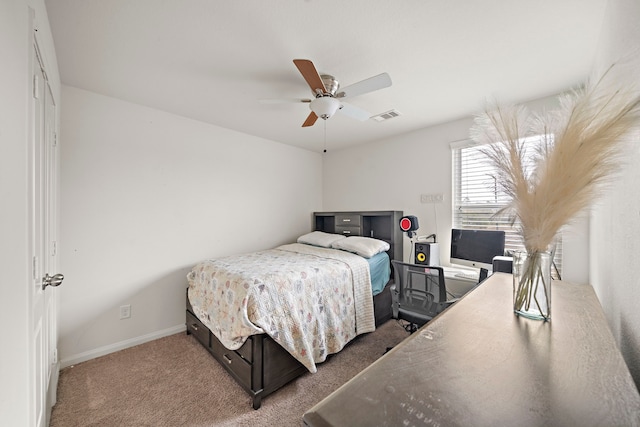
(481, 216)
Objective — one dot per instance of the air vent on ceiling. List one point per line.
(386, 115)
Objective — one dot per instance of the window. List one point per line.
(477, 197)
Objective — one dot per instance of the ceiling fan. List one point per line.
(328, 95)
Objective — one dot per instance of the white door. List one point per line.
(43, 207)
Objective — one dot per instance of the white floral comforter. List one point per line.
(312, 301)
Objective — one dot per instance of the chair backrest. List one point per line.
(420, 289)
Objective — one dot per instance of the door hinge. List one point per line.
(34, 268)
(36, 86)
(54, 356)
(54, 248)
(54, 140)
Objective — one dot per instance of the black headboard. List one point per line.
(381, 225)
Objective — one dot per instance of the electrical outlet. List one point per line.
(432, 198)
(125, 311)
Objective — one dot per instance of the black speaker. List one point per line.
(427, 254)
(409, 224)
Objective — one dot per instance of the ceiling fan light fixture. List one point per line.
(326, 90)
(325, 106)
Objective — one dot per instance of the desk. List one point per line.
(477, 364)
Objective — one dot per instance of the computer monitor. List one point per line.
(476, 248)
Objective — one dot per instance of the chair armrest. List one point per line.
(395, 303)
(446, 304)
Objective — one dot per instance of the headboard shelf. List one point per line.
(381, 225)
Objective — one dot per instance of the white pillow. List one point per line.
(320, 238)
(363, 246)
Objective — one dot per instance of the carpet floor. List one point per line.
(174, 381)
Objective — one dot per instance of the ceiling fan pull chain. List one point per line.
(325, 136)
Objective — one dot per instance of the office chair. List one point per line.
(418, 294)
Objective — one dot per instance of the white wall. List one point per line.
(615, 225)
(145, 196)
(15, 315)
(392, 174)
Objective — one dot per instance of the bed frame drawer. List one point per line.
(259, 373)
(195, 327)
(235, 364)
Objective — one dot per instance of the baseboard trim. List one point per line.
(112, 348)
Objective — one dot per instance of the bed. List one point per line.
(270, 316)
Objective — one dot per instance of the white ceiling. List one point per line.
(213, 60)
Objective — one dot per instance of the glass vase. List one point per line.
(532, 285)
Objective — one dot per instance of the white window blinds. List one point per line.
(478, 197)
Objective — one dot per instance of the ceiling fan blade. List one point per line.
(310, 74)
(365, 86)
(354, 112)
(284, 100)
(311, 119)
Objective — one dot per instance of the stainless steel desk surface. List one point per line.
(478, 364)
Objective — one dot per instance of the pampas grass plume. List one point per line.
(583, 143)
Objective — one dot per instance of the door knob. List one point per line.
(55, 280)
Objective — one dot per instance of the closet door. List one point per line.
(42, 245)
